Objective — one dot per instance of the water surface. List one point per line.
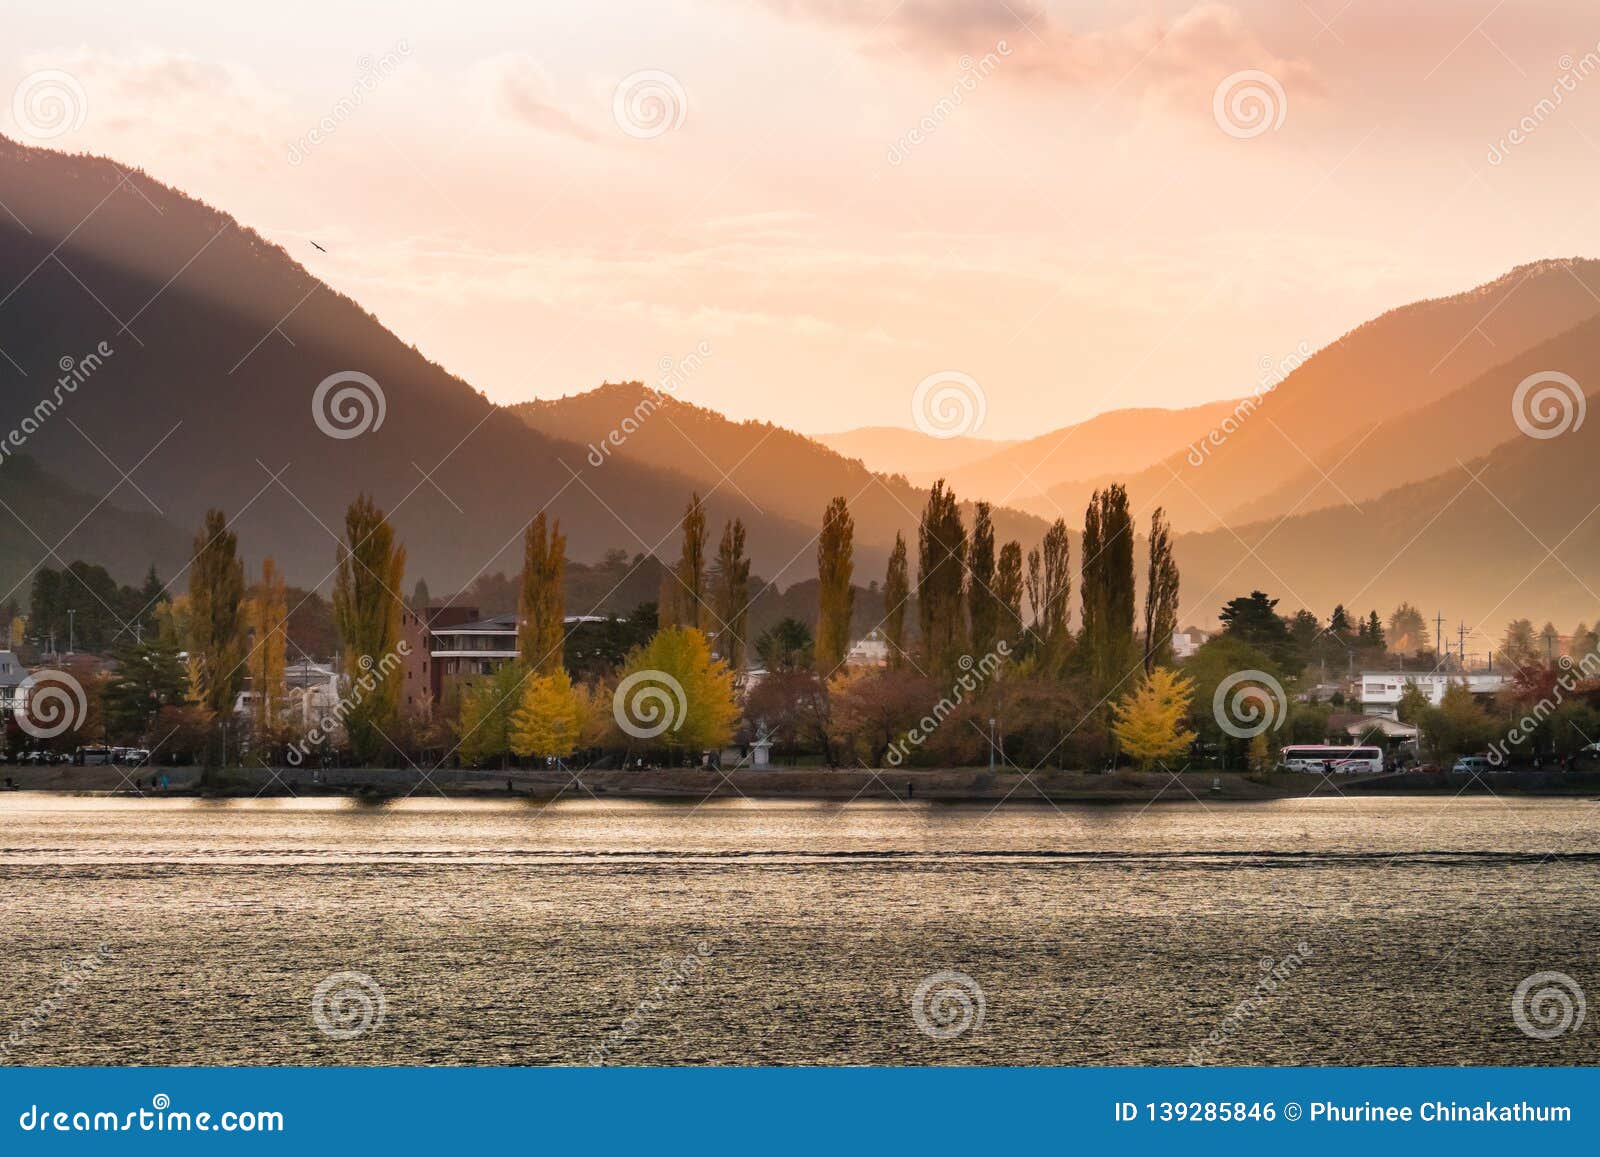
(778, 932)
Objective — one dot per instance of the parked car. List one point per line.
(1475, 765)
(91, 756)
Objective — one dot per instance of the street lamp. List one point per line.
(992, 723)
(71, 626)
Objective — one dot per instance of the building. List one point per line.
(424, 677)
(1186, 643)
(871, 650)
(1380, 691)
(12, 673)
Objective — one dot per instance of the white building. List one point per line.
(1381, 690)
(1186, 643)
(12, 673)
(871, 650)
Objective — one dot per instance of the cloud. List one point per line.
(1183, 56)
(519, 91)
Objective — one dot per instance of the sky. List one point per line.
(820, 206)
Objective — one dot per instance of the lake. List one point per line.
(323, 931)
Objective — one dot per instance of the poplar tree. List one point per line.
(543, 604)
(835, 596)
(691, 608)
(366, 611)
(1108, 589)
(984, 603)
(731, 584)
(941, 567)
(896, 594)
(1008, 588)
(217, 622)
(1055, 592)
(1160, 595)
(269, 618)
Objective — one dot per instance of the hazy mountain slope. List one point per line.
(1422, 442)
(43, 523)
(1406, 359)
(226, 343)
(1473, 550)
(779, 471)
(1119, 443)
(921, 457)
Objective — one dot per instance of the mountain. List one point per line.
(46, 521)
(921, 457)
(1474, 543)
(1433, 438)
(1114, 444)
(776, 470)
(1397, 364)
(215, 343)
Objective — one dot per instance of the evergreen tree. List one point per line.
(216, 610)
(1339, 623)
(421, 597)
(366, 610)
(836, 597)
(1373, 630)
(785, 645)
(896, 594)
(1160, 595)
(731, 584)
(542, 606)
(1408, 631)
(941, 568)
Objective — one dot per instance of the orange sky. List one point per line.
(845, 198)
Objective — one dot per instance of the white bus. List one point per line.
(1349, 760)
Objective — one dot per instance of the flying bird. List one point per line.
(318, 248)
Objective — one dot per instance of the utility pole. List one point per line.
(1461, 644)
(1441, 648)
(72, 622)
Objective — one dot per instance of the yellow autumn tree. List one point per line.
(546, 721)
(1149, 722)
(672, 693)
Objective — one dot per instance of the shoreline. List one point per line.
(942, 784)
